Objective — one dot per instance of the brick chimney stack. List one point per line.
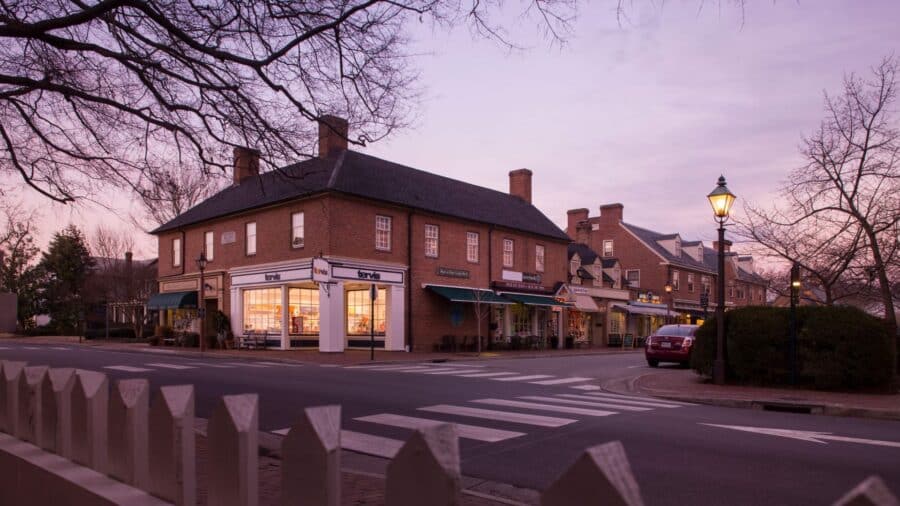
(715, 246)
(333, 132)
(520, 184)
(246, 164)
(611, 213)
(575, 216)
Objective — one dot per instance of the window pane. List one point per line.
(251, 238)
(508, 253)
(383, 233)
(472, 246)
(539, 258)
(262, 310)
(304, 311)
(210, 253)
(359, 312)
(297, 237)
(431, 241)
(176, 252)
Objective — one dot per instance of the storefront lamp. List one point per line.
(201, 261)
(668, 288)
(721, 200)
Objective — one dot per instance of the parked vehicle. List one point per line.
(670, 343)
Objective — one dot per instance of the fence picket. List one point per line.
(30, 385)
(311, 459)
(870, 492)
(129, 406)
(56, 412)
(602, 475)
(233, 442)
(426, 469)
(9, 394)
(89, 407)
(173, 461)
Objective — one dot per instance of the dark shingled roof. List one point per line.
(365, 176)
(585, 253)
(650, 237)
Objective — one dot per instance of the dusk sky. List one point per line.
(647, 113)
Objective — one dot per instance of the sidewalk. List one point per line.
(687, 386)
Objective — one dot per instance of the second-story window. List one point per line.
(383, 233)
(676, 280)
(297, 230)
(432, 236)
(209, 245)
(690, 282)
(539, 258)
(508, 251)
(250, 232)
(176, 252)
(472, 247)
(633, 276)
(608, 248)
(704, 280)
(730, 291)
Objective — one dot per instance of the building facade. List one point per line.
(296, 253)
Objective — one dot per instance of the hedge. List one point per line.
(839, 348)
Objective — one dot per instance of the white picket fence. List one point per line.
(71, 439)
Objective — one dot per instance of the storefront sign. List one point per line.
(378, 276)
(320, 270)
(578, 290)
(452, 273)
(271, 277)
(529, 277)
(228, 237)
(521, 277)
(519, 286)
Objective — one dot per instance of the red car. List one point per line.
(670, 343)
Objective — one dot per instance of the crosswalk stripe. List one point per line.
(60, 348)
(587, 387)
(590, 404)
(390, 368)
(487, 374)
(245, 364)
(171, 366)
(363, 443)
(503, 416)
(453, 371)
(420, 368)
(561, 381)
(475, 432)
(373, 366)
(445, 364)
(207, 364)
(281, 364)
(641, 401)
(523, 378)
(30, 347)
(126, 368)
(544, 407)
(1, 348)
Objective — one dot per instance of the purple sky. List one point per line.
(647, 114)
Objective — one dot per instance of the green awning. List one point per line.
(462, 294)
(534, 300)
(173, 300)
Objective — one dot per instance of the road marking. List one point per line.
(60, 348)
(444, 364)
(453, 371)
(523, 378)
(1, 348)
(207, 364)
(642, 400)
(390, 367)
(282, 364)
(487, 374)
(363, 443)
(587, 387)
(635, 366)
(376, 366)
(171, 366)
(245, 364)
(503, 416)
(329, 365)
(465, 431)
(545, 407)
(151, 350)
(562, 381)
(809, 436)
(590, 404)
(126, 368)
(420, 368)
(598, 398)
(31, 347)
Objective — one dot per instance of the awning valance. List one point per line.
(533, 300)
(464, 294)
(173, 300)
(645, 310)
(586, 304)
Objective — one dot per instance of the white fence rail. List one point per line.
(70, 438)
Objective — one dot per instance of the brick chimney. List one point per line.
(520, 184)
(246, 164)
(715, 246)
(611, 212)
(333, 133)
(575, 216)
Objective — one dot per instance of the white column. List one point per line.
(285, 319)
(331, 317)
(237, 313)
(395, 331)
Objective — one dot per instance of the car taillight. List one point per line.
(687, 342)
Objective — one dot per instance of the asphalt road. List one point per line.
(677, 458)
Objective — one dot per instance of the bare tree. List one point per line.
(106, 92)
(110, 246)
(163, 195)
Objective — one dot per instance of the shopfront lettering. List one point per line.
(529, 277)
(453, 273)
(372, 275)
(273, 277)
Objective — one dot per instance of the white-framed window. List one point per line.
(250, 234)
(359, 312)
(472, 247)
(508, 252)
(262, 309)
(382, 233)
(303, 311)
(633, 276)
(678, 248)
(704, 281)
(209, 241)
(176, 252)
(690, 282)
(432, 236)
(730, 290)
(608, 250)
(676, 280)
(539, 258)
(297, 230)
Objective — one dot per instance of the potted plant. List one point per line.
(223, 328)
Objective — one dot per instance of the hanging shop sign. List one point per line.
(452, 273)
(320, 270)
(369, 275)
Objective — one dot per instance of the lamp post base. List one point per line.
(719, 372)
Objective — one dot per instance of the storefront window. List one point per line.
(303, 304)
(521, 320)
(616, 322)
(359, 312)
(262, 310)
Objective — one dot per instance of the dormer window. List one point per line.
(678, 247)
(573, 265)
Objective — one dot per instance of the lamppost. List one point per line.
(721, 200)
(201, 299)
(795, 295)
(668, 301)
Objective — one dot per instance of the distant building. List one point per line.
(118, 289)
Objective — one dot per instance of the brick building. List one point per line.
(651, 260)
(431, 245)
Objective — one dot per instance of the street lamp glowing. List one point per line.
(721, 199)
(668, 288)
(201, 261)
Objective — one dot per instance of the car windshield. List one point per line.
(676, 330)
